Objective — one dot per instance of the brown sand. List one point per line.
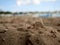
(29, 31)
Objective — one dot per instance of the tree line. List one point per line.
(8, 12)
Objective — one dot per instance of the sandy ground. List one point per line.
(24, 30)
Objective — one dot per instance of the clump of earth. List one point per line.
(23, 30)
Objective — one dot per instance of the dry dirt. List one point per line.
(21, 30)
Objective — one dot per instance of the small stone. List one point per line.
(2, 31)
(58, 30)
(59, 41)
(53, 32)
(20, 29)
(40, 32)
(58, 24)
(3, 39)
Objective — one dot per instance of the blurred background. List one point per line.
(35, 8)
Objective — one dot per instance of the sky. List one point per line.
(29, 5)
